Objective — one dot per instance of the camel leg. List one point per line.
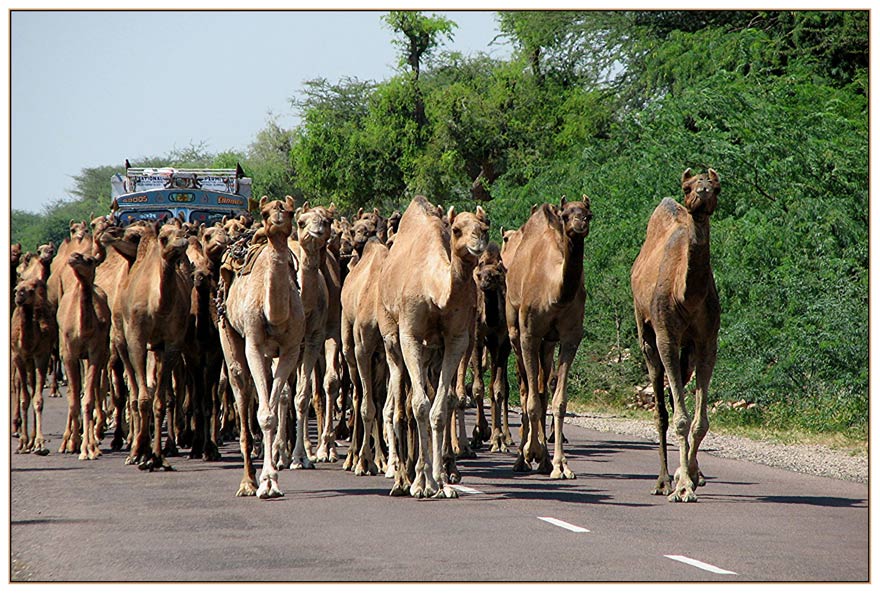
(425, 484)
(445, 471)
(119, 392)
(366, 464)
(481, 428)
(647, 343)
(567, 351)
(461, 447)
(15, 400)
(669, 354)
(388, 414)
(400, 421)
(90, 449)
(348, 353)
(166, 365)
(26, 383)
(700, 425)
(302, 459)
(284, 435)
(267, 414)
(70, 441)
(238, 377)
(533, 447)
(327, 447)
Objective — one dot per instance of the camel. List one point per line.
(677, 317)
(545, 305)
(362, 345)
(313, 231)
(429, 307)
(150, 314)
(120, 248)
(15, 254)
(263, 319)
(37, 265)
(33, 332)
(84, 335)
(490, 336)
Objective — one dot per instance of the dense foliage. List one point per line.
(616, 105)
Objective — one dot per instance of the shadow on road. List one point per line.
(819, 501)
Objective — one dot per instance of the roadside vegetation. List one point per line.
(615, 105)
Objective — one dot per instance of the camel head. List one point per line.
(277, 216)
(490, 272)
(46, 252)
(576, 217)
(27, 292)
(214, 240)
(368, 224)
(100, 225)
(700, 192)
(172, 241)
(78, 229)
(83, 265)
(313, 226)
(469, 233)
(15, 254)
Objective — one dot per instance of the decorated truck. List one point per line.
(198, 195)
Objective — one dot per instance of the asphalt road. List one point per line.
(101, 520)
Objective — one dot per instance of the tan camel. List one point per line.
(429, 307)
(15, 254)
(33, 333)
(312, 231)
(120, 252)
(84, 335)
(491, 337)
(60, 274)
(37, 265)
(677, 316)
(545, 305)
(361, 345)
(263, 319)
(150, 314)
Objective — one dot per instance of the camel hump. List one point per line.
(668, 211)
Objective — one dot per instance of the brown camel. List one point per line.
(33, 333)
(491, 337)
(263, 319)
(84, 335)
(362, 345)
(677, 317)
(545, 305)
(150, 314)
(428, 307)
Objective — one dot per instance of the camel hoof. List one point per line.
(682, 494)
(247, 488)
(41, 451)
(365, 469)
(545, 467)
(211, 453)
(520, 466)
(400, 488)
(701, 479)
(562, 473)
(304, 463)
(446, 492)
(116, 444)
(269, 489)
(466, 454)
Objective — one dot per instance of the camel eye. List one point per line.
(456, 231)
(302, 224)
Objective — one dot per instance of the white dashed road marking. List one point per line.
(466, 490)
(564, 525)
(700, 565)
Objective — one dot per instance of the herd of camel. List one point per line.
(188, 334)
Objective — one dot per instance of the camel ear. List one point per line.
(450, 214)
(534, 207)
(563, 201)
(376, 211)
(224, 220)
(263, 201)
(713, 175)
(686, 175)
(332, 209)
(585, 199)
(360, 212)
(289, 202)
(181, 217)
(72, 222)
(481, 214)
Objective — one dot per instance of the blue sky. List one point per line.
(94, 88)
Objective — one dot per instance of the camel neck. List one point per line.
(26, 326)
(699, 268)
(493, 301)
(572, 269)
(86, 303)
(276, 289)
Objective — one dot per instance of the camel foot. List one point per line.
(301, 462)
(682, 494)
(401, 486)
(663, 486)
(545, 466)
(521, 465)
(498, 445)
(466, 453)
(117, 443)
(155, 462)
(269, 489)
(446, 491)
(424, 486)
(247, 488)
(89, 455)
(453, 476)
(42, 451)
(561, 471)
(700, 480)
(211, 452)
(365, 468)
(327, 454)
(350, 461)
(170, 449)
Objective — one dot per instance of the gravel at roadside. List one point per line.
(808, 459)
